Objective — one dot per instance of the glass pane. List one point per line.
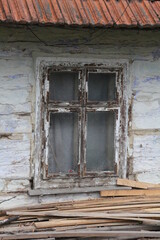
(63, 143)
(63, 86)
(100, 141)
(101, 86)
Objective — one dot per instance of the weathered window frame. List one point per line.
(41, 178)
(76, 106)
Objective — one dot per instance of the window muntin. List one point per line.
(77, 100)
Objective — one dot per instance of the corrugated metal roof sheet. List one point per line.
(105, 13)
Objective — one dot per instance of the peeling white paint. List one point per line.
(146, 153)
(146, 89)
(15, 157)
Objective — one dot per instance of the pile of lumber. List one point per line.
(118, 214)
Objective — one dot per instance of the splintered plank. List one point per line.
(15, 229)
(135, 184)
(116, 193)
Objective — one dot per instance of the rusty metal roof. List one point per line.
(104, 13)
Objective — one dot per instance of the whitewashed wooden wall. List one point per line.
(145, 130)
(18, 50)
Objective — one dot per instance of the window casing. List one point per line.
(81, 126)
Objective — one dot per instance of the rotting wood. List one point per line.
(21, 228)
(9, 220)
(115, 193)
(135, 184)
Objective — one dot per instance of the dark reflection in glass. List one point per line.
(63, 86)
(101, 86)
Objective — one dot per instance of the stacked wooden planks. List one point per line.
(118, 214)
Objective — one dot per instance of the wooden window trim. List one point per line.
(89, 181)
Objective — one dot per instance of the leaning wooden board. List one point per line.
(117, 193)
(135, 184)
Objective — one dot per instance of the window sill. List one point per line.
(41, 192)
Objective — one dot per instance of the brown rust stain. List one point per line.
(5, 135)
(129, 166)
(130, 134)
(24, 114)
(130, 110)
(116, 168)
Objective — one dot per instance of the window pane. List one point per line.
(63, 143)
(100, 141)
(63, 86)
(101, 86)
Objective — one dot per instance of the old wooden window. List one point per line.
(82, 110)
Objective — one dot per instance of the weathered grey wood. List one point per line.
(10, 229)
(114, 226)
(81, 234)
